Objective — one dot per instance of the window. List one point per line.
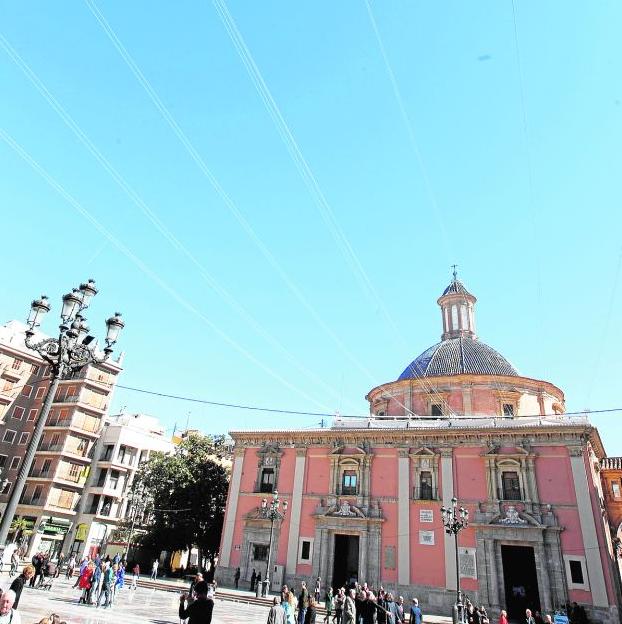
(34, 369)
(511, 485)
(9, 436)
(267, 480)
(27, 390)
(437, 409)
(576, 575)
(8, 385)
(40, 392)
(102, 478)
(18, 413)
(36, 495)
(508, 410)
(23, 438)
(17, 364)
(45, 467)
(260, 552)
(107, 454)
(32, 414)
(94, 504)
(15, 463)
(7, 488)
(348, 482)
(114, 479)
(2, 461)
(576, 572)
(425, 486)
(615, 489)
(305, 550)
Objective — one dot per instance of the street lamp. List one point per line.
(71, 351)
(454, 520)
(270, 510)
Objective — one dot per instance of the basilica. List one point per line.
(365, 495)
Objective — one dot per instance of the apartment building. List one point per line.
(58, 475)
(127, 441)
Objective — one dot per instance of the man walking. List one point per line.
(416, 617)
(236, 577)
(277, 613)
(303, 602)
(154, 570)
(200, 611)
(349, 608)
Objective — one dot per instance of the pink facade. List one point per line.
(365, 495)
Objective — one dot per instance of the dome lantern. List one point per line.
(457, 310)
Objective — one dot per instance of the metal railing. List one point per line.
(425, 493)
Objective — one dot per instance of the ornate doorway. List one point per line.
(520, 580)
(346, 560)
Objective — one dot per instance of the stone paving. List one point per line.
(140, 606)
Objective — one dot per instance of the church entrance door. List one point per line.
(346, 560)
(520, 580)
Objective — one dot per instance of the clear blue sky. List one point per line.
(526, 199)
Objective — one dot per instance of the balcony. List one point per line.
(40, 474)
(59, 423)
(509, 494)
(425, 493)
(50, 448)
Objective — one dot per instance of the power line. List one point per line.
(225, 197)
(325, 414)
(150, 214)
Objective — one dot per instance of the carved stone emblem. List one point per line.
(512, 517)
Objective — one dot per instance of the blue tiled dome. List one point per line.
(458, 356)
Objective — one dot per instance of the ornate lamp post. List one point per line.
(72, 350)
(454, 520)
(270, 510)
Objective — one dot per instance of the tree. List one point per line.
(186, 494)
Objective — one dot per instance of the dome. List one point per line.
(458, 356)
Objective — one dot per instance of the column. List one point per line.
(493, 580)
(447, 478)
(588, 530)
(403, 518)
(467, 402)
(544, 580)
(294, 512)
(232, 507)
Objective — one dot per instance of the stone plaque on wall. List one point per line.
(468, 568)
(426, 515)
(426, 538)
(389, 557)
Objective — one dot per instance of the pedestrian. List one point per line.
(349, 609)
(311, 611)
(200, 611)
(483, 616)
(289, 606)
(119, 581)
(303, 602)
(154, 570)
(195, 581)
(253, 580)
(329, 603)
(107, 583)
(85, 582)
(37, 562)
(71, 564)
(503, 617)
(416, 617)
(317, 592)
(135, 575)
(236, 577)
(340, 600)
(14, 563)
(18, 583)
(529, 619)
(8, 614)
(276, 615)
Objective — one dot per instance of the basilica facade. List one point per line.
(364, 496)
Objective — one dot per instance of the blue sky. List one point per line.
(506, 163)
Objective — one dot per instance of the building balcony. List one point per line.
(509, 494)
(425, 493)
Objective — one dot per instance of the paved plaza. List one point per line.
(142, 606)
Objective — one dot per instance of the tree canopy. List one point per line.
(185, 494)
